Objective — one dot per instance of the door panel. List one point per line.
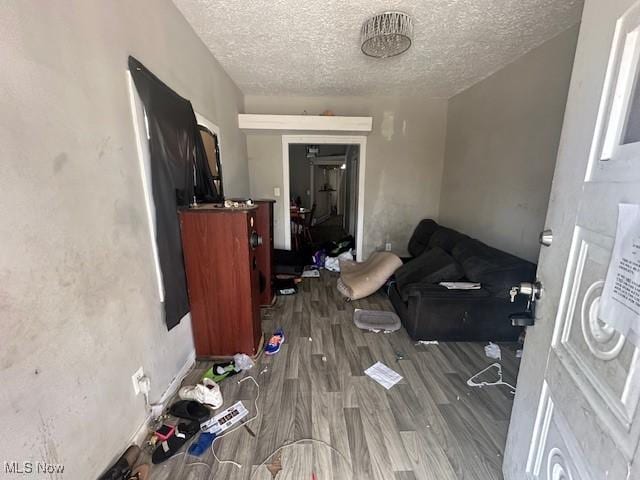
(580, 378)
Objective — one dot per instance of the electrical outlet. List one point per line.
(276, 191)
(135, 379)
(387, 246)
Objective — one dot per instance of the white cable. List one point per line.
(240, 425)
(302, 440)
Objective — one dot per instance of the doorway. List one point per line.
(324, 187)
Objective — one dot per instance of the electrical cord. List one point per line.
(240, 425)
(302, 440)
(236, 464)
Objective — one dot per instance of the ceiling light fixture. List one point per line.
(386, 35)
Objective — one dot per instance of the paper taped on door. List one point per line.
(620, 301)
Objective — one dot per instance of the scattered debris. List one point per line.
(519, 353)
(242, 361)
(311, 273)
(264, 370)
(310, 339)
(473, 381)
(427, 342)
(399, 355)
(324, 358)
(383, 375)
(493, 351)
(275, 466)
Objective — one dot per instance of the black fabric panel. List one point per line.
(177, 156)
(446, 238)
(496, 270)
(421, 235)
(433, 266)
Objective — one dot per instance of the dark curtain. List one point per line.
(177, 157)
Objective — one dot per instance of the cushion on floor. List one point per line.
(359, 280)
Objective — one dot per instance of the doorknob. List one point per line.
(546, 237)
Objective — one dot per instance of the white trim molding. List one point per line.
(304, 123)
(359, 140)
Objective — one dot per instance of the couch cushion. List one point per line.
(446, 239)
(421, 235)
(496, 270)
(433, 266)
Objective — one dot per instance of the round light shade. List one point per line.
(386, 35)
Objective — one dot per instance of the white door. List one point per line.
(576, 412)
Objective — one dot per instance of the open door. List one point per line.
(576, 412)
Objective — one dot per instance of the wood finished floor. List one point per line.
(430, 426)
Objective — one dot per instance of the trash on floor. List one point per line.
(333, 263)
(519, 353)
(493, 351)
(243, 361)
(275, 342)
(285, 286)
(275, 466)
(376, 320)
(475, 381)
(201, 445)
(383, 375)
(427, 342)
(207, 392)
(311, 272)
(226, 419)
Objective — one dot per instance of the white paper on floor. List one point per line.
(427, 342)
(493, 351)
(383, 375)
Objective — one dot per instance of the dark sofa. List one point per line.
(430, 311)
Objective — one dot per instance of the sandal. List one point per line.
(190, 409)
(171, 446)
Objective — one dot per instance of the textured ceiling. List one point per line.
(288, 47)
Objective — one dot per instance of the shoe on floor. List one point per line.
(275, 342)
(190, 409)
(141, 472)
(122, 467)
(167, 449)
(207, 392)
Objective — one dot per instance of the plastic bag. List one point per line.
(242, 361)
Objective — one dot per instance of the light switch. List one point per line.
(276, 191)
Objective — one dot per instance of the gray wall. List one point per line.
(502, 140)
(78, 298)
(404, 160)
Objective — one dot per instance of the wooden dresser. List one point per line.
(220, 256)
(264, 253)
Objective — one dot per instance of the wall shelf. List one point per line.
(303, 123)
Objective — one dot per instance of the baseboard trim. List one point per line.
(141, 432)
